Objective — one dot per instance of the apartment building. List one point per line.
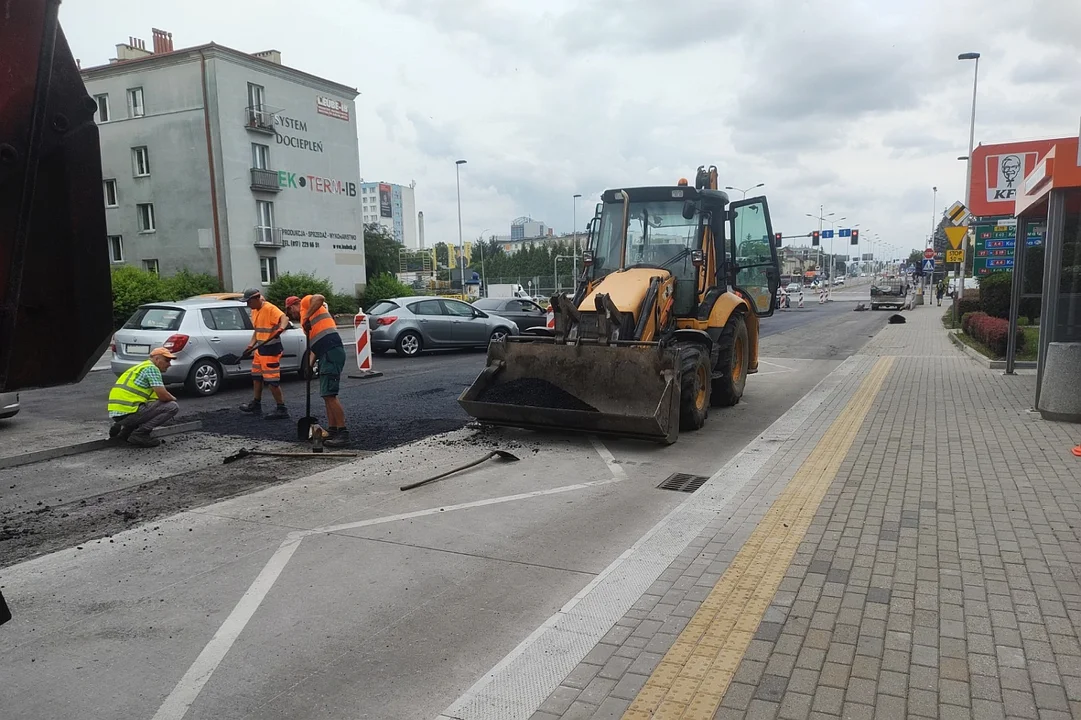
(394, 207)
(230, 163)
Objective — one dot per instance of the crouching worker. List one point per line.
(139, 402)
(327, 348)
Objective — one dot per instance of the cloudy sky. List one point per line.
(859, 106)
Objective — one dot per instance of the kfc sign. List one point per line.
(998, 175)
(332, 108)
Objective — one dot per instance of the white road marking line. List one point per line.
(189, 687)
(521, 681)
(182, 697)
(768, 362)
(609, 458)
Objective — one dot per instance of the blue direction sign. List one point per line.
(827, 234)
(928, 265)
(844, 232)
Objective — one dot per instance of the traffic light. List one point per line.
(777, 239)
(814, 238)
(855, 237)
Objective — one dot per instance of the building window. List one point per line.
(116, 249)
(264, 231)
(268, 269)
(135, 103)
(260, 156)
(256, 96)
(103, 108)
(140, 158)
(146, 217)
(110, 193)
(151, 266)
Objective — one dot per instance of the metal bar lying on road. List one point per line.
(245, 452)
(90, 446)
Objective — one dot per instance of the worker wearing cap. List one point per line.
(266, 351)
(139, 402)
(327, 348)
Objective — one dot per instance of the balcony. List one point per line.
(259, 119)
(268, 237)
(265, 180)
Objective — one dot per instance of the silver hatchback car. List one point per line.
(409, 325)
(199, 331)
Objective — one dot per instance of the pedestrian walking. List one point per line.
(265, 350)
(139, 402)
(326, 347)
(939, 292)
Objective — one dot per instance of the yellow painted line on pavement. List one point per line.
(694, 674)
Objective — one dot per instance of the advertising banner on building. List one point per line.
(384, 201)
(331, 108)
(998, 174)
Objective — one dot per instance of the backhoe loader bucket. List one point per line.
(625, 390)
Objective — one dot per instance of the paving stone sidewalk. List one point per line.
(940, 577)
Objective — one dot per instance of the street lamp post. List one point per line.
(820, 218)
(483, 275)
(574, 237)
(461, 244)
(729, 187)
(968, 179)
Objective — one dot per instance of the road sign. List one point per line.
(928, 265)
(958, 213)
(827, 234)
(929, 253)
(995, 241)
(955, 235)
(955, 256)
(844, 232)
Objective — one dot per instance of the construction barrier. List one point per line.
(364, 348)
(551, 318)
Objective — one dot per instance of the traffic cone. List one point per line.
(1077, 451)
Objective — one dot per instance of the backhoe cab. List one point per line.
(663, 323)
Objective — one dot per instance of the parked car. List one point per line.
(524, 313)
(793, 288)
(409, 325)
(199, 330)
(838, 281)
(9, 405)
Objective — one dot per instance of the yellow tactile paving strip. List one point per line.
(691, 679)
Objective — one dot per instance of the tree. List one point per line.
(915, 258)
(442, 254)
(380, 251)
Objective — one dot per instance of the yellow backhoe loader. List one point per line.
(663, 323)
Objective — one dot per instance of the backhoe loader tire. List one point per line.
(694, 386)
(733, 359)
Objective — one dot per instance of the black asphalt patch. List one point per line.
(534, 392)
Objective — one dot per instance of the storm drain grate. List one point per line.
(682, 482)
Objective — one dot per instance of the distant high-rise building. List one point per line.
(392, 206)
(526, 227)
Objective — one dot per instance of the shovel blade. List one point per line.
(304, 427)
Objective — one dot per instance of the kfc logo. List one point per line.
(1005, 174)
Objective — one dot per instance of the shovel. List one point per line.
(501, 454)
(304, 424)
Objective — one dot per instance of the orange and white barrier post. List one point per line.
(551, 318)
(364, 348)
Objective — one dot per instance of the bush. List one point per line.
(342, 304)
(186, 284)
(995, 291)
(381, 287)
(966, 306)
(299, 284)
(993, 332)
(133, 287)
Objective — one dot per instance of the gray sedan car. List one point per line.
(9, 405)
(409, 325)
(200, 331)
(525, 313)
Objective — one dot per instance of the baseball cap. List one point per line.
(251, 293)
(292, 300)
(162, 352)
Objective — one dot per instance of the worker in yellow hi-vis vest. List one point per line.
(139, 402)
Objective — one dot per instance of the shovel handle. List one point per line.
(440, 476)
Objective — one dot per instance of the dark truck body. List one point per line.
(888, 293)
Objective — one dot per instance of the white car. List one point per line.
(793, 288)
(839, 281)
(9, 405)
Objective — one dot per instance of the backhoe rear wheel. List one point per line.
(694, 386)
(733, 359)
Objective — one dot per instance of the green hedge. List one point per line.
(995, 291)
(381, 287)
